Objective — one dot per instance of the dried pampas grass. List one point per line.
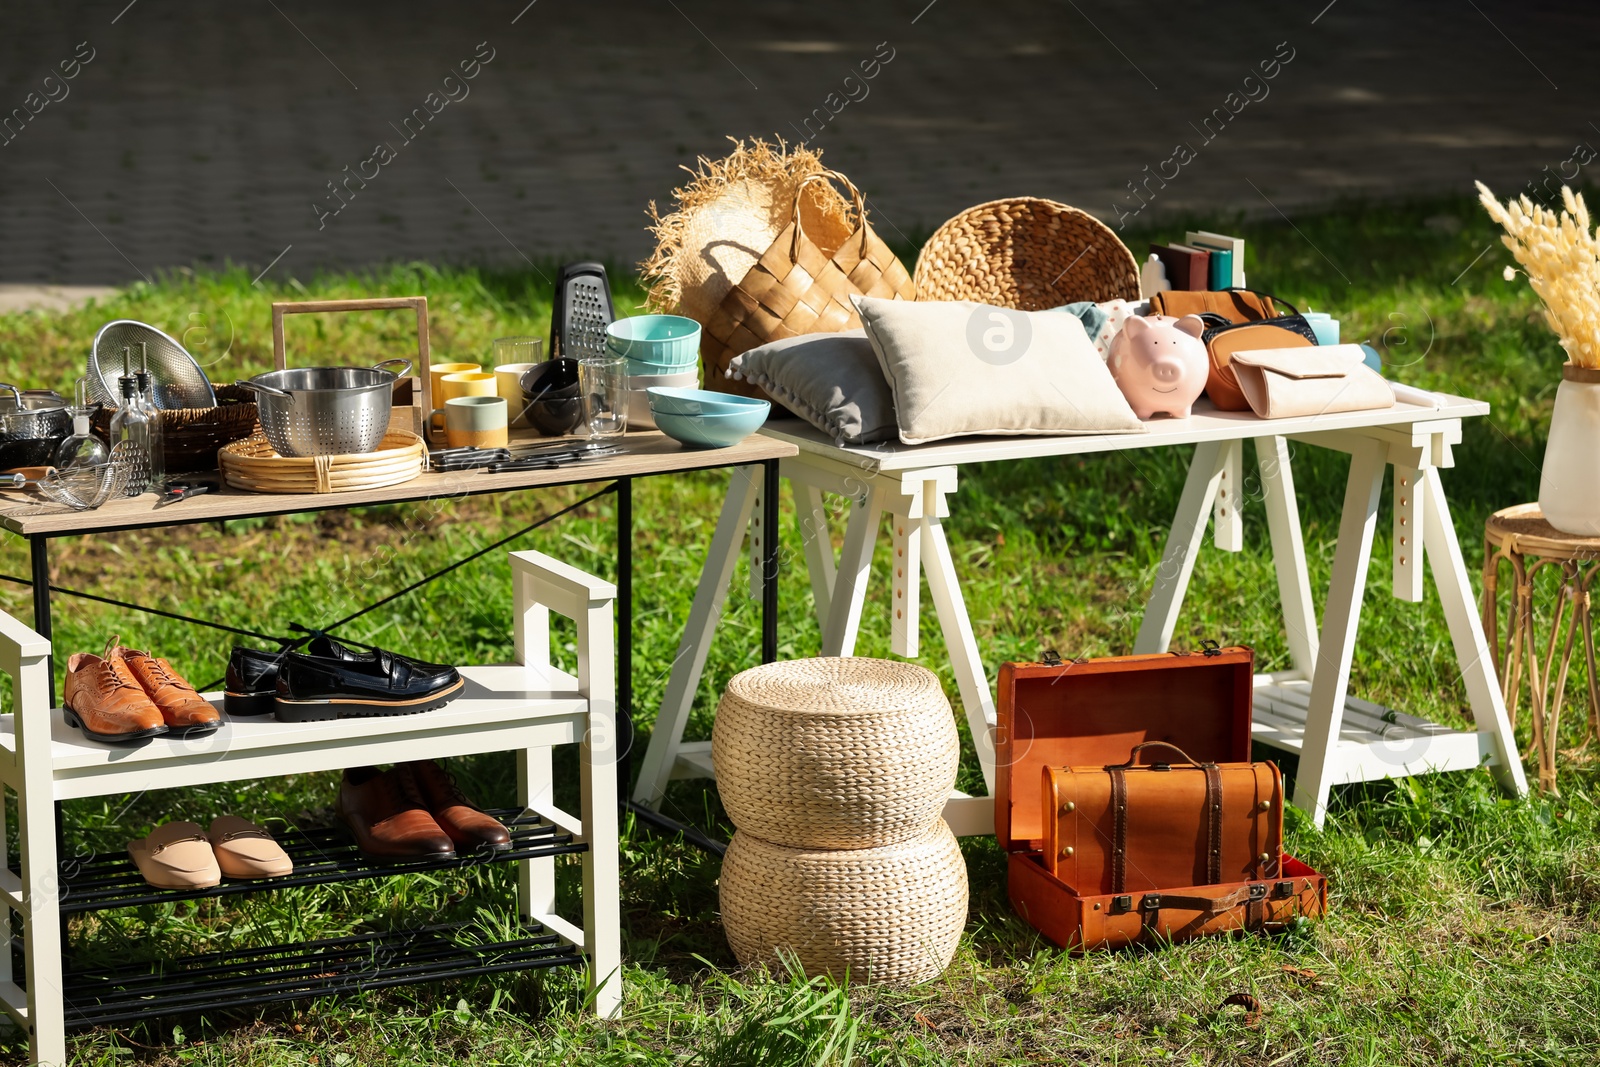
(1560, 254)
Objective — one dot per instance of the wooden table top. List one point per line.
(647, 452)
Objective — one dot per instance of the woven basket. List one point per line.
(190, 437)
(835, 752)
(1028, 254)
(799, 287)
(253, 465)
(889, 914)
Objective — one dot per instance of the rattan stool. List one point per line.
(888, 914)
(835, 752)
(1521, 537)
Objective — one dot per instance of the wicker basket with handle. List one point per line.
(888, 914)
(796, 287)
(1026, 253)
(190, 437)
(835, 752)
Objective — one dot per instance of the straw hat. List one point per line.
(726, 218)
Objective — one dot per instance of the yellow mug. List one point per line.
(437, 372)
(472, 422)
(466, 383)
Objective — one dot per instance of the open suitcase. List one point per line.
(1196, 848)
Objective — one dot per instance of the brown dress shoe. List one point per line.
(104, 699)
(463, 820)
(387, 817)
(181, 707)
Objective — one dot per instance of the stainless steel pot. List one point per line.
(32, 416)
(326, 411)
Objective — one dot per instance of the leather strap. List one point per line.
(1119, 824)
(1252, 898)
(1213, 824)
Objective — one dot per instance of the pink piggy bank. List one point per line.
(1160, 364)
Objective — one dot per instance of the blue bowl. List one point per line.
(655, 341)
(710, 431)
(682, 400)
(640, 368)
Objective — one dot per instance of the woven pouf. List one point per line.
(835, 752)
(888, 914)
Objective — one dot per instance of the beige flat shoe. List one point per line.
(176, 856)
(245, 850)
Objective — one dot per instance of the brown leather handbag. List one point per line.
(1133, 828)
(1235, 305)
(1237, 320)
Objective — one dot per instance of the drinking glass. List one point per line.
(603, 380)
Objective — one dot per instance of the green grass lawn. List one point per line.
(1462, 926)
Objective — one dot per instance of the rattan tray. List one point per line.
(252, 464)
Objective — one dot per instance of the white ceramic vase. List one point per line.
(1569, 484)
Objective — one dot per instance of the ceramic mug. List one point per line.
(508, 383)
(437, 372)
(472, 422)
(466, 383)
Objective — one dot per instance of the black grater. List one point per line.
(582, 312)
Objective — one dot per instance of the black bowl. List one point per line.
(550, 397)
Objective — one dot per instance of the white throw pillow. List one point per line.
(961, 368)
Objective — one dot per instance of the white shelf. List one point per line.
(1374, 742)
(501, 707)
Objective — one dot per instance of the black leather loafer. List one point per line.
(315, 688)
(251, 684)
(252, 678)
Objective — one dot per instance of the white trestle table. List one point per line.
(1308, 710)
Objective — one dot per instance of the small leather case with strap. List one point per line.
(1136, 828)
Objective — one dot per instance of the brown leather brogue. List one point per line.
(104, 699)
(388, 818)
(468, 826)
(184, 712)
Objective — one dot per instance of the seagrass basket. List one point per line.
(190, 437)
(1026, 253)
(253, 465)
(839, 752)
(889, 914)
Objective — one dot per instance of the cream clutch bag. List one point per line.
(1286, 383)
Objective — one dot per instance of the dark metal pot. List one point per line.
(35, 415)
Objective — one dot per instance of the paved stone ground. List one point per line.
(202, 133)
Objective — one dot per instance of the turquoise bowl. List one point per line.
(681, 400)
(711, 431)
(656, 344)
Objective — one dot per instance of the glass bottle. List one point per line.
(147, 402)
(83, 448)
(131, 426)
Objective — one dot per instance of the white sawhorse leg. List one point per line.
(666, 740)
(1211, 460)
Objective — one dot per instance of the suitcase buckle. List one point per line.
(1121, 904)
(1283, 889)
(1150, 902)
(1208, 647)
(1052, 658)
(1258, 892)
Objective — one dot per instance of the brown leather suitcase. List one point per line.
(1092, 714)
(1129, 827)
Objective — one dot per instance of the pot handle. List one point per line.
(16, 394)
(268, 389)
(405, 363)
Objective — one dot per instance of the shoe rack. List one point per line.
(526, 707)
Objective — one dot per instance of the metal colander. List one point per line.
(176, 380)
(326, 411)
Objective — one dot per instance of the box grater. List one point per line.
(582, 312)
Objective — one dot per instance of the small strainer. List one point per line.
(176, 380)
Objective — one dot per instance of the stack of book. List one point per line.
(1203, 261)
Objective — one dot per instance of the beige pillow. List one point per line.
(959, 368)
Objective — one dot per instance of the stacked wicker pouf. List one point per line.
(835, 772)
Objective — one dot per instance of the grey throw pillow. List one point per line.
(832, 380)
